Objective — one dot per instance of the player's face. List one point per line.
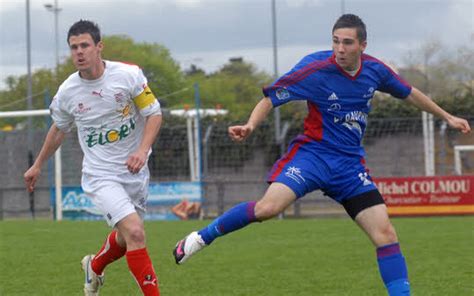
(347, 48)
(86, 55)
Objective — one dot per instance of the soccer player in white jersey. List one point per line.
(117, 119)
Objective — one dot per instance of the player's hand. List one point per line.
(31, 176)
(239, 133)
(136, 161)
(459, 123)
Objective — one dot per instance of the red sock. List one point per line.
(141, 267)
(109, 252)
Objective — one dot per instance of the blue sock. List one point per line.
(235, 218)
(393, 270)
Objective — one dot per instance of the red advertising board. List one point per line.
(437, 195)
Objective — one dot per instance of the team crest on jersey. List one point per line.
(370, 93)
(119, 97)
(282, 94)
(81, 109)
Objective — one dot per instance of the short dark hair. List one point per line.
(352, 21)
(84, 27)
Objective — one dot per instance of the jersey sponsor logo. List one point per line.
(126, 111)
(333, 97)
(353, 125)
(282, 94)
(110, 136)
(335, 107)
(97, 93)
(353, 120)
(364, 178)
(295, 174)
(356, 116)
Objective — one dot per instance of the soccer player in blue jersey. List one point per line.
(338, 86)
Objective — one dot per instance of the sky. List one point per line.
(209, 32)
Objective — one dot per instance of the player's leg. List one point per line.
(277, 198)
(113, 249)
(132, 230)
(116, 203)
(352, 186)
(292, 176)
(102, 193)
(370, 213)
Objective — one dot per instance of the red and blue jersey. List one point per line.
(338, 103)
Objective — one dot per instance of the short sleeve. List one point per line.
(297, 84)
(143, 97)
(394, 84)
(63, 119)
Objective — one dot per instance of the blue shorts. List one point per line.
(308, 166)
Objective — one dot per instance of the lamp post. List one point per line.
(57, 156)
(275, 68)
(55, 9)
(29, 97)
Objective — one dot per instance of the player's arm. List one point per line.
(53, 140)
(424, 103)
(149, 107)
(138, 159)
(259, 113)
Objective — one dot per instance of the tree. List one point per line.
(445, 76)
(236, 86)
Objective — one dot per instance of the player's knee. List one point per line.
(136, 235)
(387, 234)
(264, 211)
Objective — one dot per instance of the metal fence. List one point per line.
(233, 172)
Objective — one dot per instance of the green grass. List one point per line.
(278, 257)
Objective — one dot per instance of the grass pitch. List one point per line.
(278, 257)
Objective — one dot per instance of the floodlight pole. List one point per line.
(57, 156)
(276, 111)
(29, 98)
(55, 10)
(28, 65)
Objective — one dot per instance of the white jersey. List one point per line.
(109, 113)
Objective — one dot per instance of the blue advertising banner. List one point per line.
(166, 201)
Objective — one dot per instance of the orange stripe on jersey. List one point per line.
(145, 99)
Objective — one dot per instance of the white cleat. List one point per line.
(92, 282)
(188, 246)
